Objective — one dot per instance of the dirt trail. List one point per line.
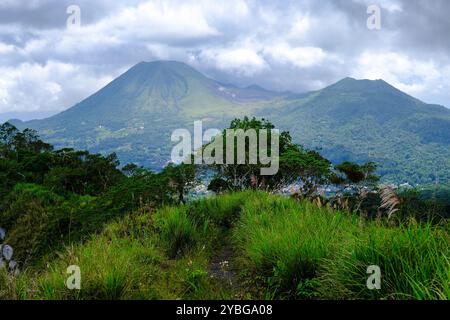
(223, 270)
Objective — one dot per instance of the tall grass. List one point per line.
(286, 242)
(414, 262)
(184, 227)
(127, 261)
(300, 251)
(284, 249)
(112, 267)
(178, 232)
(152, 255)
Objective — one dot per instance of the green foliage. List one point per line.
(8, 285)
(354, 174)
(177, 230)
(147, 255)
(415, 204)
(135, 115)
(303, 251)
(352, 120)
(296, 165)
(305, 166)
(371, 121)
(286, 242)
(283, 248)
(144, 188)
(181, 178)
(218, 185)
(40, 221)
(25, 158)
(49, 199)
(220, 211)
(68, 207)
(413, 260)
(245, 175)
(25, 196)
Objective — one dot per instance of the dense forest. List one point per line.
(138, 234)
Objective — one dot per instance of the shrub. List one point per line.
(176, 229)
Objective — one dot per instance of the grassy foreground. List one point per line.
(247, 245)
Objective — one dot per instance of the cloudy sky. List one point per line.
(301, 45)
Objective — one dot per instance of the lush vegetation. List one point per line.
(352, 120)
(51, 198)
(280, 248)
(134, 235)
(294, 162)
(363, 120)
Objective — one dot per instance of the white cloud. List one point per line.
(151, 23)
(301, 57)
(413, 76)
(301, 25)
(241, 61)
(6, 48)
(32, 87)
(159, 20)
(292, 45)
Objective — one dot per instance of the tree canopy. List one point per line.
(295, 163)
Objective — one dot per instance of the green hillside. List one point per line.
(371, 120)
(136, 113)
(358, 120)
(137, 234)
(246, 245)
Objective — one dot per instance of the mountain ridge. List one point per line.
(356, 120)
